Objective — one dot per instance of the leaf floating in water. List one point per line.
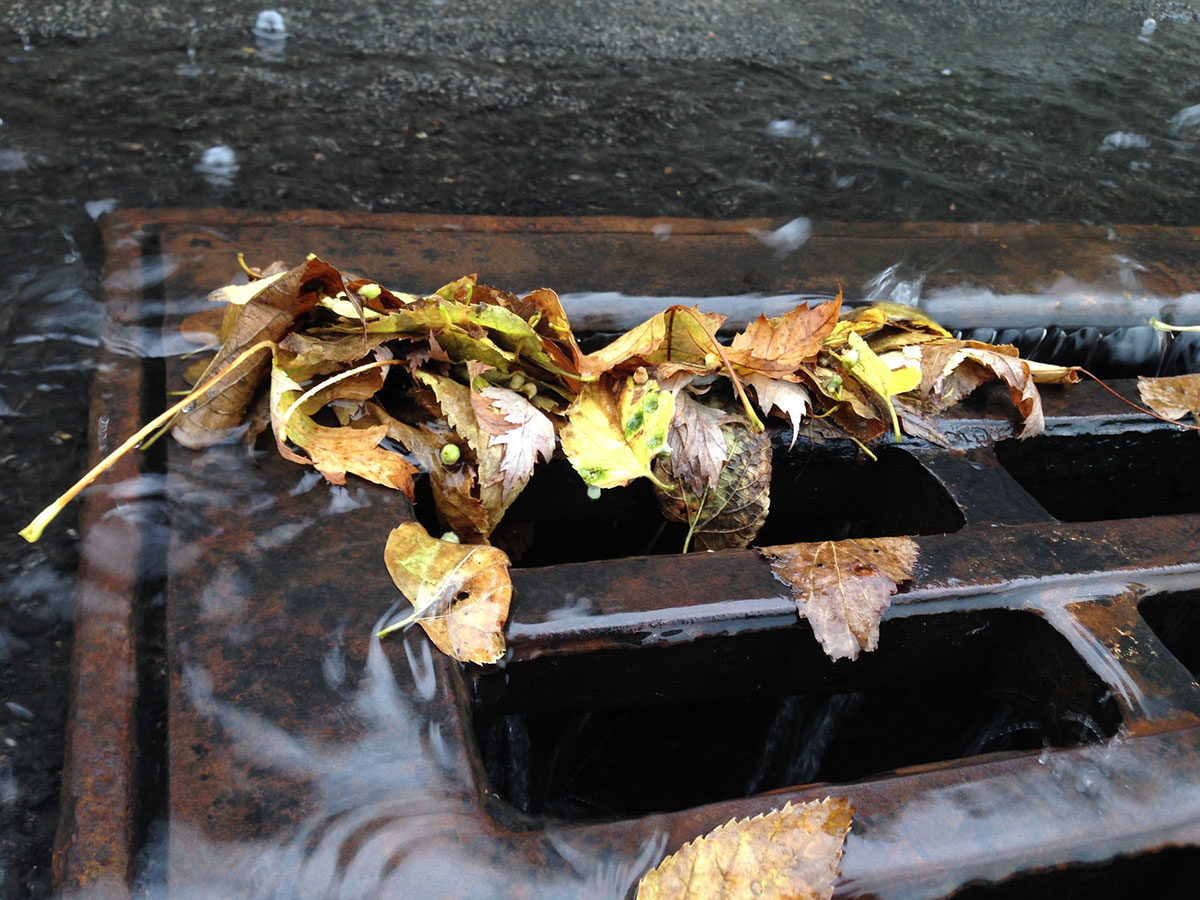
(1172, 398)
(460, 593)
(786, 854)
(843, 587)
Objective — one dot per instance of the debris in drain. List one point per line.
(790, 852)
(472, 385)
(844, 587)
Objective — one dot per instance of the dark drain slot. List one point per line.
(1175, 619)
(1096, 477)
(623, 733)
(817, 493)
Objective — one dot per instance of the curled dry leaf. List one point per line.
(786, 854)
(266, 315)
(677, 338)
(843, 587)
(519, 429)
(729, 514)
(1172, 398)
(460, 593)
(784, 397)
(953, 369)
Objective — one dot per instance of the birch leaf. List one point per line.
(786, 854)
(1172, 398)
(460, 593)
(615, 429)
(844, 587)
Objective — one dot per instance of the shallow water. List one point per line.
(973, 112)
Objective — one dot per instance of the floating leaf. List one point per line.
(615, 429)
(460, 593)
(786, 854)
(1173, 397)
(843, 587)
(730, 513)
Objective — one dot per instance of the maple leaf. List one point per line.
(1173, 397)
(615, 429)
(516, 425)
(729, 513)
(698, 449)
(843, 587)
(782, 396)
(786, 854)
(460, 593)
(780, 345)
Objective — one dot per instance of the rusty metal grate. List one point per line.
(1032, 707)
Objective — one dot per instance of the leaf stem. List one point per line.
(1141, 409)
(756, 424)
(34, 529)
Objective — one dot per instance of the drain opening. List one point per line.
(624, 733)
(1098, 477)
(1175, 619)
(818, 493)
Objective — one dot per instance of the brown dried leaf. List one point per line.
(953, 369)
(698, 451)
(778, 346)
(786, 854)
(267, 316)
(520, 429)
(1172, 397)
(460, 593)
(843, 587)
(784, 397)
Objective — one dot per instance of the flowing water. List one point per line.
(1087, 113)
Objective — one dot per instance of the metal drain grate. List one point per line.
(1030, 708)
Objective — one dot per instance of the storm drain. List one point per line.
(1029, 725)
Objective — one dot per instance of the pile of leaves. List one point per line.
(473, 385)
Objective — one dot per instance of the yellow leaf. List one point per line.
(678, 337)
(786, 854)
(615, 429)
(460, 593)
(864, 366)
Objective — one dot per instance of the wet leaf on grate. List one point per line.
(726, 513)
(678, 338)
(779, 346)
(512, 423)
(777, 395)
(953, 369)
(1173, 397)
(873, 372)
(460, 593)
(268, 312)
(786, 854)
(843, 587)
(615, 429)
(335, 451)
